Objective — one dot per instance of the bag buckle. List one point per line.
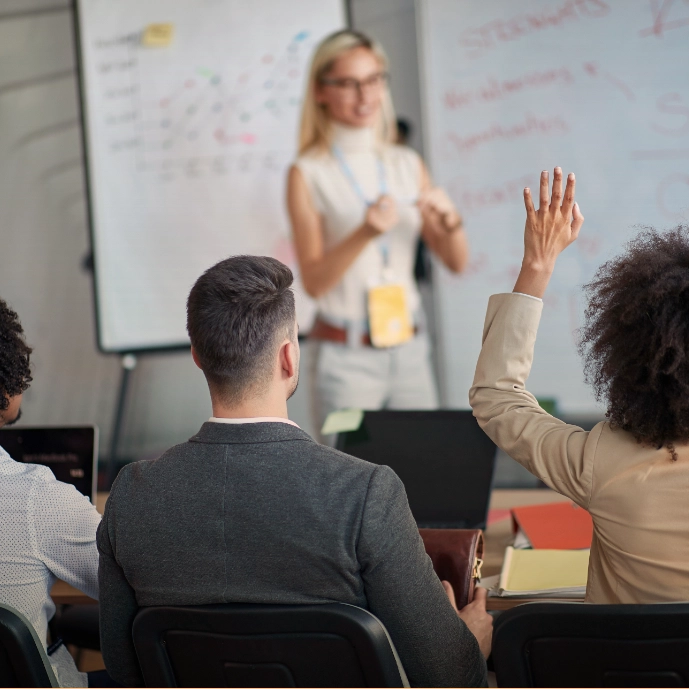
(476, 570)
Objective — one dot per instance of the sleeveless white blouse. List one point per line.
(342, 210)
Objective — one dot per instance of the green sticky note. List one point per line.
(342, 421)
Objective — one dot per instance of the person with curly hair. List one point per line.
(631, 472)
(48, 527)
(15, 370)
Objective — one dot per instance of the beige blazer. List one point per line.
(637, 496)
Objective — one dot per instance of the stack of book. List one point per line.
(549, 559)
(543, 574)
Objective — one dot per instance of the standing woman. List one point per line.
(357, 203)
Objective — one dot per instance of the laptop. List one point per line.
(443, 457)
(70, 452)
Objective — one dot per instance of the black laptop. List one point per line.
(443, 457)
(70, 452)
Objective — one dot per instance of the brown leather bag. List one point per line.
(457, 556)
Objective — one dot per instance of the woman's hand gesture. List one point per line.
(548, 232)
(438, 211)
(381, 216)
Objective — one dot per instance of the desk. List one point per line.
(498, 537)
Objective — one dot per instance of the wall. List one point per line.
(393, 23)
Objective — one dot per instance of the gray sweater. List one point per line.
(261, 513)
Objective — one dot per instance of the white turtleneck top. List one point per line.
(342, 210)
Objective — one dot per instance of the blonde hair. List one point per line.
(315, 127)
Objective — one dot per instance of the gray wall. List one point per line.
(393, 24)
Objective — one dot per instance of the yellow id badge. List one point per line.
(388, 316)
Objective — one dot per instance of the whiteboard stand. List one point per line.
(128, 363)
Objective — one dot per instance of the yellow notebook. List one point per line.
(544, 573)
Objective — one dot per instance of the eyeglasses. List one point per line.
(374, 82)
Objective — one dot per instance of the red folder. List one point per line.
(555, 525)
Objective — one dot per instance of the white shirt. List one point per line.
(342, 210)
(48, 532)
(253, 419)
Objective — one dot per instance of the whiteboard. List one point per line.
(189, 132)
(600, 87)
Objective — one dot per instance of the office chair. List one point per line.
(78, 625)
(23, 660)
(580, 645)
(241, 645)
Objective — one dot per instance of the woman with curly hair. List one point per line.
(630, 472)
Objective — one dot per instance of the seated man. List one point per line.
(48, 528)
(630, 472)
(253, 510)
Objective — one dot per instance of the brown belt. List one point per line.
(321, 330)
(324, 331)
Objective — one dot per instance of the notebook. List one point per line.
(543, 574)
(555, 525)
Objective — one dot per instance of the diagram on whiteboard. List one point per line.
(194, 114)
(191, 111)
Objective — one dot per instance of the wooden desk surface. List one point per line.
(498, 536)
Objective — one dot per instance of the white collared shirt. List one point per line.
(48, 531)
(253, 419)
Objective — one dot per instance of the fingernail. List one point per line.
(558, 169)
(527, 190)
(570, 176)
(545, 172)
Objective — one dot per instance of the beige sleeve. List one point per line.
(559, 454)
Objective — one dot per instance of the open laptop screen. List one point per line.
(443, 458)
(70, 452)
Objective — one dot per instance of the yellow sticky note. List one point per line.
(158, 35)
(343, 421)
(388, 316)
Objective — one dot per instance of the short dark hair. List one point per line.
(635, 340)
(236, 313)
(15, 369)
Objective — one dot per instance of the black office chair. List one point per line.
(238, 645)
(23, 660)
(580, 645)
(78, 625)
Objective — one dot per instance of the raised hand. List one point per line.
(382, 215)
(548, 232)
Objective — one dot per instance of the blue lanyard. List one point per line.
(383, 243)
(347, 171)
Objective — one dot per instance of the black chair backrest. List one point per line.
(241, 645)
(23, 662)
(580, 645)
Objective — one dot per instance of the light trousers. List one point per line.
(369, 378)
